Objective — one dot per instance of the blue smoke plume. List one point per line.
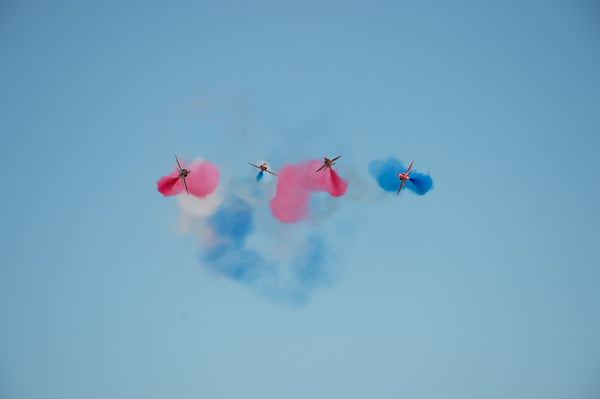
(307, 273)
(231, 225)
(385, 173)
(259, 176)
(309, 269)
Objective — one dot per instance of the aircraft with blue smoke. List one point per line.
(404, 177)
(263, 168)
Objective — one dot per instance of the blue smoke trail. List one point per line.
(231, 225)
(232, 222)
(309, 269)
(419, 183)
(259, 176)
(308, 273)
(385, 173)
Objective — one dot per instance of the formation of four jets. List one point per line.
(327, 163)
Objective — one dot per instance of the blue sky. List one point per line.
(484, 287)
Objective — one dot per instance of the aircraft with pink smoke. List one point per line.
(263, 168)
(327, 163)
(404, 177)
(183, 173)
(199, 179)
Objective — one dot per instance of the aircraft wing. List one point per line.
(185, 184)
(335, 159)
(271, 172)
(408, 170)
(178, 164)
(256, 166)
(320, 169)
(401, 184)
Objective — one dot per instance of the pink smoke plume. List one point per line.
(202, 180)
(296, 183)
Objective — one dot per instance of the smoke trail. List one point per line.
(419, 183)
(167, 185)
(259, 176)
(309, 269)
(231, 224)
(385, 172)
(295, 185)
(290, 276)
(307, 272)
(202, 180)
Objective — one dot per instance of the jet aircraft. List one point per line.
(263, 168)
(328, 163)
(182, 174)
(404, 177)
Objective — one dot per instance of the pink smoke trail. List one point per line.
(295, 185)
(167, 185)
(202, 180)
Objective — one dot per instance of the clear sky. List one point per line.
(486, 287)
